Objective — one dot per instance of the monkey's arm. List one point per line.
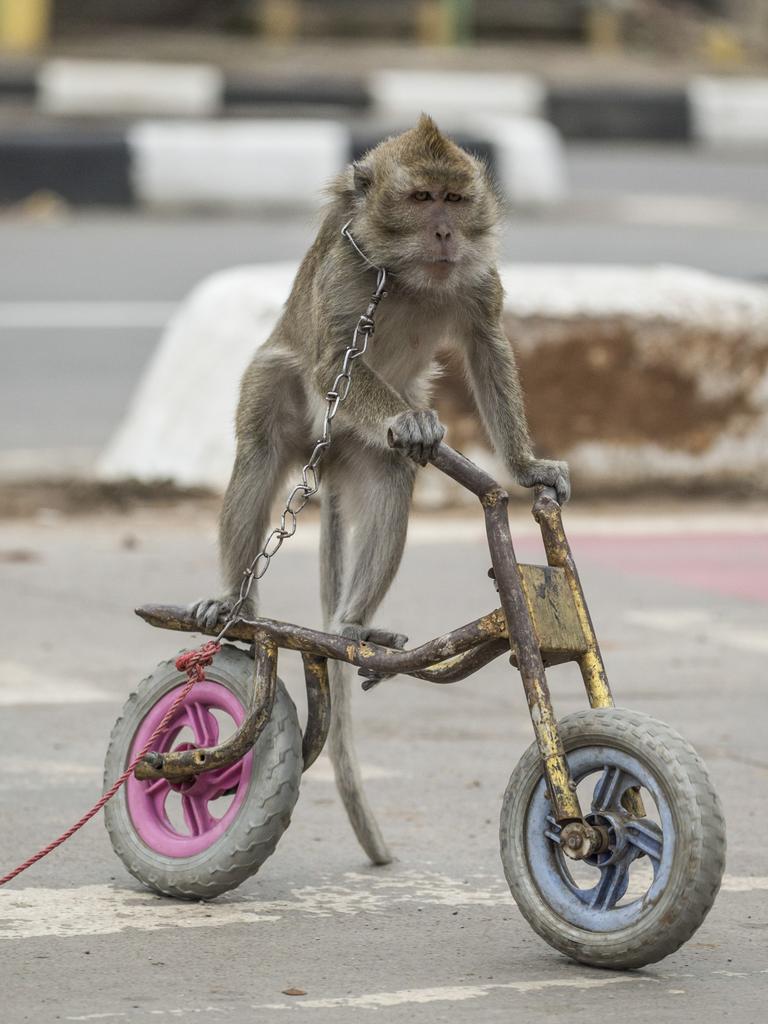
(492, 371)
(373, 409)
(370, 403)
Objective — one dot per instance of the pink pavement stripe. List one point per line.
(735, 565)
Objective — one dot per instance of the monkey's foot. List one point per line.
(547, 473)
(212, 611)
(383, 637)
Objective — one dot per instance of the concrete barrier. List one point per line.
(129, 87)
(640, 377)
(181, 420)
(235, 163)
(728, 111)
(528, 159)
(452, 96)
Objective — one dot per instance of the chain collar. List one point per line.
(310, 480)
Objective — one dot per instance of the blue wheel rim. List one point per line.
(601, 907)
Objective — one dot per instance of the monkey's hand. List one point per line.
(212, 611)
(546, 473)
(417, 433)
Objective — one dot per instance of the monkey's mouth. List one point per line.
(442, 266)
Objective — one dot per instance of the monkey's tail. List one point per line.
(347, 770)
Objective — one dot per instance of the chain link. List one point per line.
(310, 480)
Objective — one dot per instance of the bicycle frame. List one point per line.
(543, 620)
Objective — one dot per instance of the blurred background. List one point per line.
(144, 146)
(161, 171)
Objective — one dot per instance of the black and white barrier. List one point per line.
(722, 110)
(143, 88)
(694, 344)
(729, 111)
(246, 163)
(234, 163)
(179, 149)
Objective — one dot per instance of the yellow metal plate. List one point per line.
(551, 605)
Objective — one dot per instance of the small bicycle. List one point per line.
(612, 835)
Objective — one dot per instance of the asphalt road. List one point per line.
(70, 363)
(680, 607)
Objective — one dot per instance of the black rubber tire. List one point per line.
(261, 820)
(699, 853)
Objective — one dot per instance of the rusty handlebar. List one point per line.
(467, 474)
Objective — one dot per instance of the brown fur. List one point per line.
(425, 209)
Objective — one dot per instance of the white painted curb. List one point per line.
(729, 110)
(452, 96)
(235, 163)
(529, 159)
(127, 87)
(180, 424)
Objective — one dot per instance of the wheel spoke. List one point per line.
(196, 814)
(211, 785)
(157, 792)
(646, 836)
(614, 879)
(203, 724)
(553, 831)
(614, 782)
(167, 739)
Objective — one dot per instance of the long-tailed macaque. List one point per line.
(423, 208)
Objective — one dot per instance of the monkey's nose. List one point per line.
(442, 234)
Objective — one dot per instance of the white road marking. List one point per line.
(698, 210)
(682, 620)
(14, 769)
(322, 771)
(427, 529)
(105, 909)
(97, 1016)
(36, 773)
(22, 685)
(452, 994)
(85, 315)
(744, 883)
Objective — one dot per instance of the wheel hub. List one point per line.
(613, 847)
(581, 840)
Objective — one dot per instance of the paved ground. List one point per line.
(84, 299)
(680, 603)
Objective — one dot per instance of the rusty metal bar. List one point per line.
(363, 653)
(318, 707)
(547, 514)
(183, 764)
(446, 658)
(462, 665)
(526, 651)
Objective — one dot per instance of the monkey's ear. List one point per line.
(362, 177)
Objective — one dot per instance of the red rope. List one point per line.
(191, 662)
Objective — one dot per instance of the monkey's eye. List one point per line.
(422, 197)
(452, 197)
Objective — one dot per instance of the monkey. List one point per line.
(426, 210)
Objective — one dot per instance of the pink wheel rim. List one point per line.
(148, 800)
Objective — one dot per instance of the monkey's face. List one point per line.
(433, 229)
(426, 211)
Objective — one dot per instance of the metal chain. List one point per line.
(310, 480)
